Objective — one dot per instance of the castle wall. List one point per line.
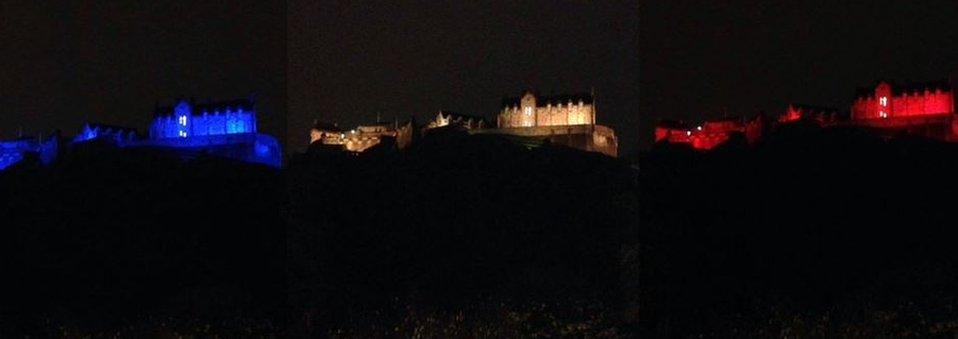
(550, 115)
(207, 123)
(907, 104)
(711, 133)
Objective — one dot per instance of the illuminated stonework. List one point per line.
(466, 122)
(562, 110)
(563, 119)
(115, 134)
(709, 134)
(822, 115)
(224, 129)
(925, 109)
(916, 100)
(362, 137)
(16, 150)
(187, 119)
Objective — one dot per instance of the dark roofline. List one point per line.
(814, 107)
(544, 100)
(468, 116)
(910, 87)
(114, 127)
(208, 106)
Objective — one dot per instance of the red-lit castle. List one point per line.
(709, 134)
(926, 109)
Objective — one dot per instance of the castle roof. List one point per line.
(111, 127)
(542, 101)
(463, 116)
(911, 87)
(209, 106)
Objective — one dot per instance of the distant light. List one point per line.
(699, 128)
(688, 133)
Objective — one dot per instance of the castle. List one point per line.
(925, 109)
(709, 134)
(561, 110)
(189, 119)
(912, 100)
(465, 121)
(568, 120)
(821, 115)
(16, 150)
(362, 137)
(219, 128)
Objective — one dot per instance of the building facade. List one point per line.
(709, 134)
(888, 101)
(219, 128)
(467, 122)
(560, 110)
(362, 137)
(188, 119)
(568, 120)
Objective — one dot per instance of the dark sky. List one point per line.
(699, 57)
(67, 62)
(352, 59)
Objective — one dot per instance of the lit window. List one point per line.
(528, 110)
(883, 101)
(182, 134)
(183, 120)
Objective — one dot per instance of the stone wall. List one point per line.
(549, 115)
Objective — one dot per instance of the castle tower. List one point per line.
(182, 115)
(883, 95)
(528, 110)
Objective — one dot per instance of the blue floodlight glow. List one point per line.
(221, 129)
(14, 151)
(184, 122)
(225, 130)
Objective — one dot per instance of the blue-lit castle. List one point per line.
(187, 119)
(16, 150)
(223, 129)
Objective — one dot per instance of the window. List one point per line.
(883, 101)
(528, 110)
(182, 120)
(182, 134)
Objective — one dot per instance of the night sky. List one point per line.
(351, 60)
(68, 62)
(347, 62)
(700, 58)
